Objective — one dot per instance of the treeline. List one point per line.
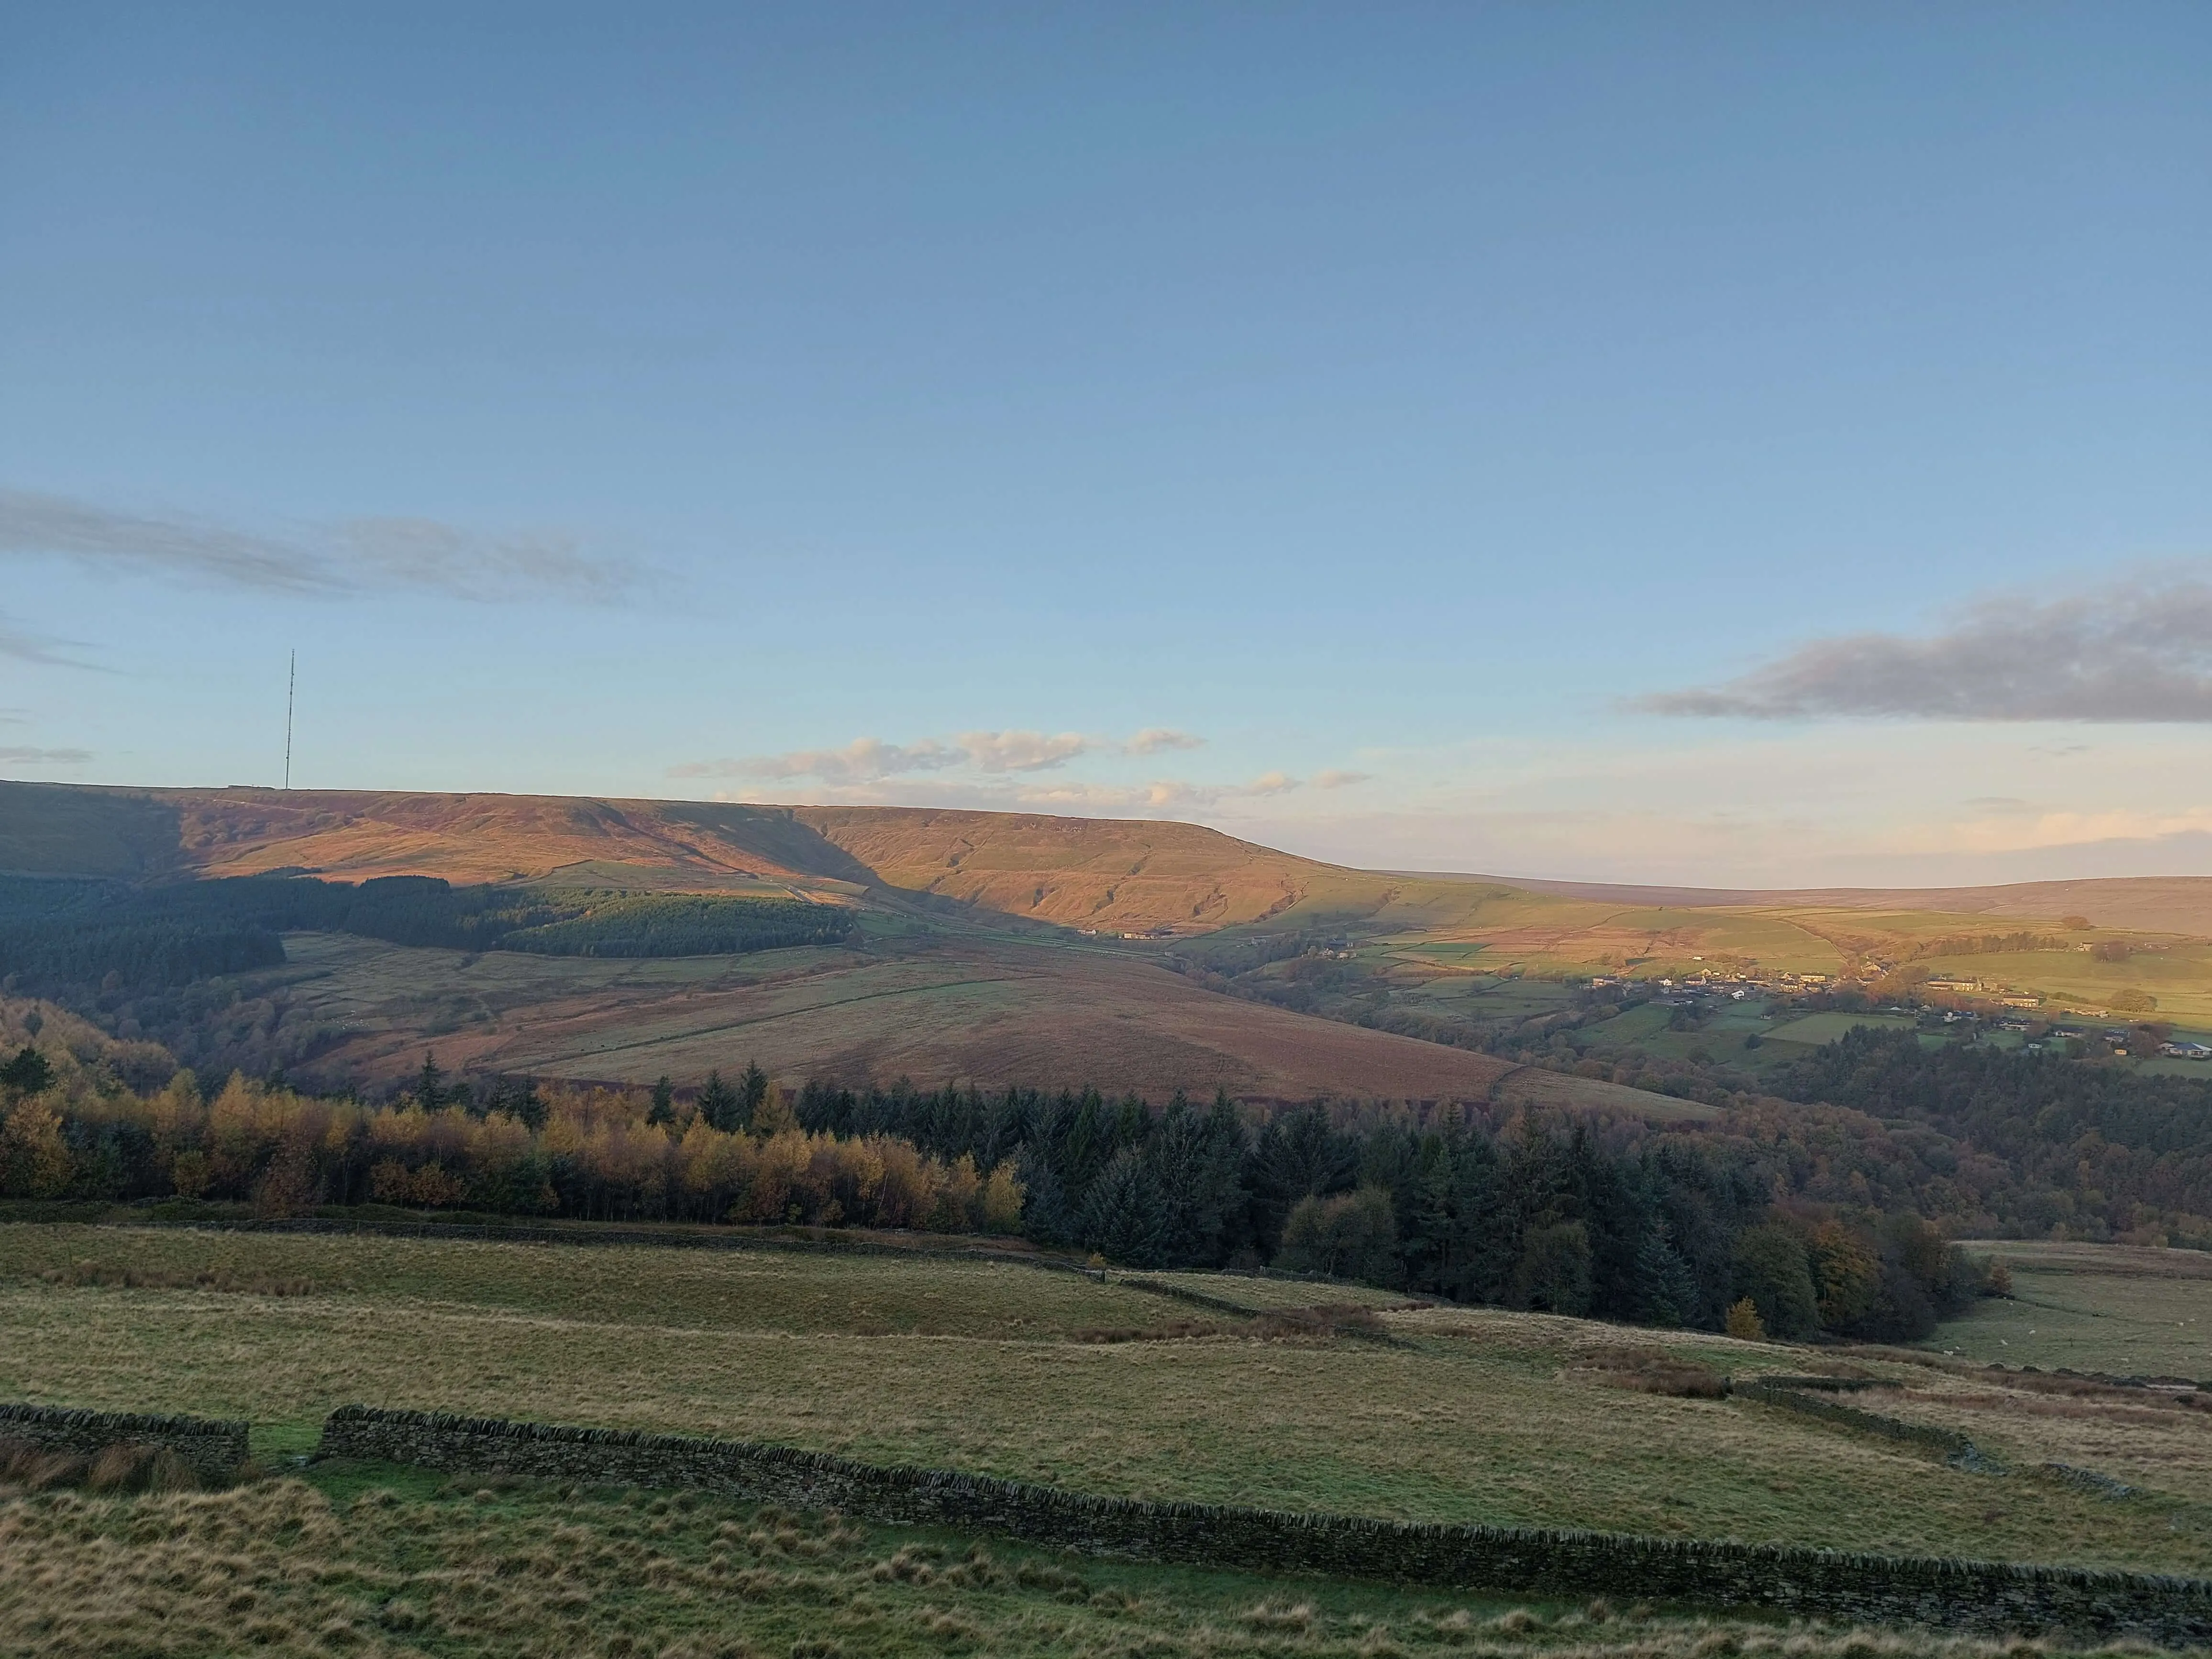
(61, 934)
(2078, 1143)
(594, 1154)
(680, 925)
(1524, 1214)
(1669, 1229)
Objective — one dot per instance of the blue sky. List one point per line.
(1736, 445)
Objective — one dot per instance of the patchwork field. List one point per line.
(1463, 1414)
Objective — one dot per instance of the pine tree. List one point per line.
(429, 1084)
(1045, 1217)
(752, 1091)
(1121, 1218)
(1665, 1290)
(718, 1105)
(27, 1073)
(663, 1110)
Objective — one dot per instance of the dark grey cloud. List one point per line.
(353, 555)
(18, 756)
(22, 644)
(2142, 652)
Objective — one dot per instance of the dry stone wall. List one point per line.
(1980, 1596)
(214, 1449)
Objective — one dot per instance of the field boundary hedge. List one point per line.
(215, 1447)
(1982, 1595)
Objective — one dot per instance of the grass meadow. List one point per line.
(2109, 1308)
(378, 1563)
(1461, 1415)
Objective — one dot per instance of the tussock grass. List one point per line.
(378, 1563)
(157, 1278)
(1652, 1371)
(1321, 1322)
(117, 1468)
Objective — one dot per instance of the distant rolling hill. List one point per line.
(994, 945)
(2165, 904)
(1110, 875)
(937, 988)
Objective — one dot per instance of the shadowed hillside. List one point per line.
(346, 834)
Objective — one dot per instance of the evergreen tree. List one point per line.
(752, 1090)
(429, 1084)
(1046, 1219)
(663, 1110)
(27, 1073)
(720, 1105)
(1297, 1155)
(1121, 1216)
(1196, 1161)
(1666, 1293)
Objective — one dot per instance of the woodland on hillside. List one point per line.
(57, 934)
(1525, 1212)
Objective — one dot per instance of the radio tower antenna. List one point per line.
(291, 684)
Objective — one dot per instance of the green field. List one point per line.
(1814, 1029)
(1463, 1415)
(2107, 1307)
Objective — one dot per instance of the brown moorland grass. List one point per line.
(1472, 1415)
(377, 1562)
(994, 1015)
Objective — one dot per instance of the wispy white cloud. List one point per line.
(1333, 779)
(1162, 795)
(1155, 738)
(868, 760)
(864, 760)
(1020, 752)
(21, 755)
(2140, 651)
(348, 557)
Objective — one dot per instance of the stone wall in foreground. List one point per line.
(1980, 1595)
(215, 1450)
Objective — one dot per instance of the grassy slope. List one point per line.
(991, 1011)
(373, 1560)
(2116, 1308)
(1475, 1415)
